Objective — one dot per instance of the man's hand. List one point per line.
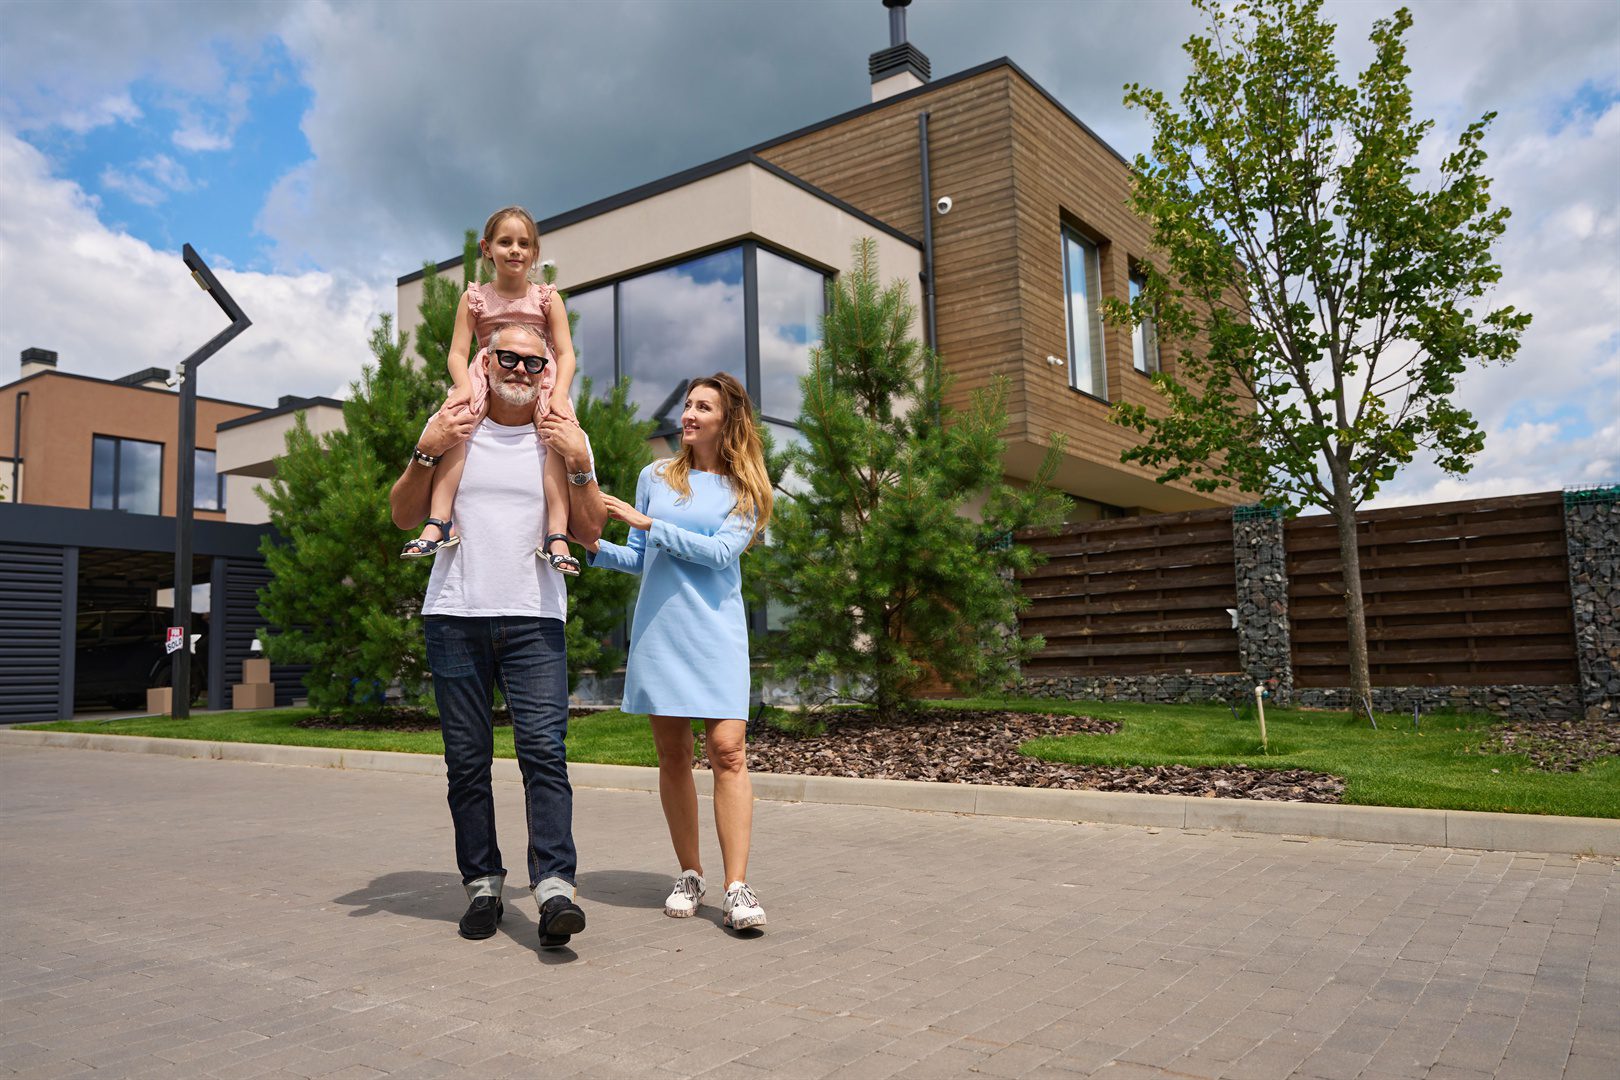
(565, 437)
(445, 430)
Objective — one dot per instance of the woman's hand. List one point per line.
(618, 508)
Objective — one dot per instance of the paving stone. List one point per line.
(273, 921)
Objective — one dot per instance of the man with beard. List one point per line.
(494, 616)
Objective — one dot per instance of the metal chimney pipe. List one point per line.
(897, 21)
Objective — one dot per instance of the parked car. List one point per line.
(119, 654)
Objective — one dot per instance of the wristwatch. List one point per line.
(580, 479)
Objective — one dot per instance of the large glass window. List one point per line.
(593, 340)
(792, 300)
(1144, 335)
(679, 323)
(207, 487)
(126, 474)
(1082, 280)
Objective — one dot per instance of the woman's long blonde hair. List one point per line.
(742, 455)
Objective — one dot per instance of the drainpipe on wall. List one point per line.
(928, 247)
(16, 450)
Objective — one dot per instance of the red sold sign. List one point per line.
(176, 638)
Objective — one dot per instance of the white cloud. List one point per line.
(150, 180)
(111, 304)
(112, 109)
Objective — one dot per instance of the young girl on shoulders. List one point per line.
(511, 247)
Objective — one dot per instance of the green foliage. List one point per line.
(1306, 271)
(598, 599)
(1321, 298)
(884, 576)
(340, 599)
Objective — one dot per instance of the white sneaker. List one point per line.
(741, 907)
(684, 896)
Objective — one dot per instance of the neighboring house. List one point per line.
(722, 267)
(87, 532)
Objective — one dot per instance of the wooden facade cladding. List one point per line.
(1018, 168)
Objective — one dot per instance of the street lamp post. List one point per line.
(180, 680)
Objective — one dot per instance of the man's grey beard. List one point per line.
(514, 394)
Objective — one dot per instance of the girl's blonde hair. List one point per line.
(742, 454)
(484, 262)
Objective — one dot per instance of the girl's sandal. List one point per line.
(563, 563)
(422, 547)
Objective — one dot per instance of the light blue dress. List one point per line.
(689, 637)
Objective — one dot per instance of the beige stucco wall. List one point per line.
(247, 454)
(746, 202)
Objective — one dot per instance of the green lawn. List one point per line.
(1393, 766)
(611, 738)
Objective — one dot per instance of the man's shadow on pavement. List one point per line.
(438, 897)
(640, 889)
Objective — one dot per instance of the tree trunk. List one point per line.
(1355, 611)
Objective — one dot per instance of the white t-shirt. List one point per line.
(500, 514)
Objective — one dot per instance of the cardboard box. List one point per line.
(253, 696)
(158, 701)
(256, 671)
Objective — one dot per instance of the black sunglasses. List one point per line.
(510, 360)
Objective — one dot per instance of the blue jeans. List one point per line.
(526, 657)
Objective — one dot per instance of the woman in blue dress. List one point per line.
(694, 516)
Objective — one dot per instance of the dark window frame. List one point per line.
(118, 468)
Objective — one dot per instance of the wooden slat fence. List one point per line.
(1458, 594)
(1144, 595)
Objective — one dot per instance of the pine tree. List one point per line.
(886, 578)
(340, 599)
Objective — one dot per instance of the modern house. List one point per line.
(1005, 215)
(87, 531)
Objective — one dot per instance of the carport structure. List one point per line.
(57, 562)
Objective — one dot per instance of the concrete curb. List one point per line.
(1377, 824)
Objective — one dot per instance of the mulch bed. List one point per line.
(1556, 745)
(952, 746)
(956, 746)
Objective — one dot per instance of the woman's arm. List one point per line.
(716, 552)
(460, 344)
(630, 557)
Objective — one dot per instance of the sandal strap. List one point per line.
(443, 523)
(557, 536)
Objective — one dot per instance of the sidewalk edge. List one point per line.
(1334, 821)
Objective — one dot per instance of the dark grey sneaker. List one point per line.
(560, 919)
(482, 917)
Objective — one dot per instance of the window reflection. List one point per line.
(140, 476)
(103, 470)
(207, 487)
(1082, 278)
(679, 323)
(593, 340)
(792, 300)
(784, 437)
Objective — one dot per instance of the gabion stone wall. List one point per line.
(1187, 689)
(1520, 702)
(1264, 646)
(1592, 533)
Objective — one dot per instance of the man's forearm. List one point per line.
(412, 496)
(586, 513)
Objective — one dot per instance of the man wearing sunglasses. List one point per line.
(494, 616)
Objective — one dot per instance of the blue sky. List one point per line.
(316, 151)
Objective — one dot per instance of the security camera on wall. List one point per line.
(944, 205)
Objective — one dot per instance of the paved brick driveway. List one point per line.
(192, 918)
